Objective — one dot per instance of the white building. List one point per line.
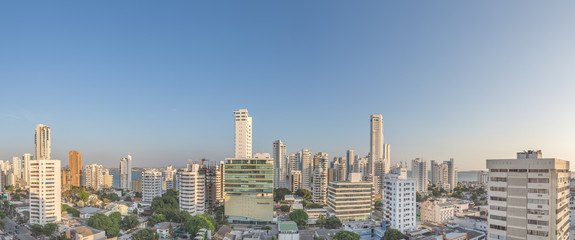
(94, 177)
(45, 191)
(280, 165)
(293, 164)
(26, 158)
(295, 180)
(452, 171)
(319, 192)
(351, 200)
(482, 177)
(42, 142)
(419, 173)
(17, 167)
(376, 148)
(440, 175)
(349, 160)
(151, 185)
(528, 197)
(243, 134)
(306, 168)
(126, 173)
(437, 211)
(572, 214)
(192, 190)
(399, 201)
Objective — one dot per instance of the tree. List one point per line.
(102, 222)
(156, 218)
(49, 229)
(378, 204)
(128, 199)
(304, 193)
(2, 214)
(166, 202)
(70, 210)
(172, 192)
(346, 235)
(392, 234)
(314, 205)
(266, 228)
(279, 193)
(84, 196)
(195, 223)
(299, 216)
(417, 197)
(146, 234)
(285, 208)
(130, 222)
(37, 230)
(116, 218)
(321, 222)
(333, 223)
(2, 224)
(135, 211)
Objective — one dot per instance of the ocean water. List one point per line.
(461, 176)
(135, 176)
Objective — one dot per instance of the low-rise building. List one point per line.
(437, 211)
(163, 228)
(350, 200)
(86, 233)
(288, 231)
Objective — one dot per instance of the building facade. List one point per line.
(151, 185)
(399, 201)
(350, 200)
(45, 191)
(528, 197)
(280, 165)
(243, 134)
(75, 166)
(437, 211)
(42, 142)
(126, 173)
(93, 174)
(419, 173)
(192, 190)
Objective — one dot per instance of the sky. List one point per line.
(470, 80)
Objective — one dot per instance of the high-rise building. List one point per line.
(220, 193)
(376, 151)
(306, 168)
(452, 177)
(66, 179)
(482, 177)
(42, 142)
(137, 185)
(350, 200)
(26, 158)
(350, 159)
(243, 134)
(17, 167)
(386, 158)
(321, 160)
(293, 164)
(45, 181)
(440, 175)
(419, 173)
(75, 165)
(151, 185)
(249, 189)
(528, 197)
(319, 192)
(45, 191)
(340, 165)
(192, 190)
(399, 200)
(295, 180)
(280, 164)
(93, 175)
(107, 179)
(126, 173)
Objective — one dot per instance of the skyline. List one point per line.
(162, 85)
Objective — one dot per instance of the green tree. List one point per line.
(417, 197)
(128, 199)
(346, 235)
(102, 222)
(84, 196)
(70, 210)
(299, 216)
(321, 221)
(378, 204)
(116, 218)
(49, 229)
(285, 208)
(195, 223)
(392, 234)
(37, 230)
(304, 193)
(2, 214)
(166, 202)
(314, 205)
(279, 193)
(333, 223)
(266, 228)
(156, 218)
(135, 211)
(146, 234)
(130, 222)
(172, 192)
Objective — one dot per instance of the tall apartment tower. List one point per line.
(151, 185)
(192, 190)
(126, 173)
(440, 175)
(17, 167)
(295, 180)
(293, 164)
(386, 158)
(452, 177)
(419, 173)
(319, 192)
(528, 197)
(280, 164)
(26, 158)
(243, 134)
(94, 177)
(306, 168)
(399, 200)
(350, 160)
(42, 142)
(75, 165)
(252, 202)
(350, 200)
(376, 152)
(46, 188)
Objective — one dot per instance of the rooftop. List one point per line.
(86, 231)
(287, 226)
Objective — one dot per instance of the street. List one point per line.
(22, 232)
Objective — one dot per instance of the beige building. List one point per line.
(295, 180)
(75, 165)
(86, 233)
(437, 211)
(45, 191)
(93, 176)
(107, 179)
(137, 185)
(528, 197)
(351, 200)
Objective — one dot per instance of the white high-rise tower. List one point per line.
(419, 173)
(306, 168)
(42, 142)
(280, 165)
(126, 173)
(243, 134)
(45, 187)
(376, 152)
(26, 158)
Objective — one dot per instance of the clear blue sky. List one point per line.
(160, 79)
